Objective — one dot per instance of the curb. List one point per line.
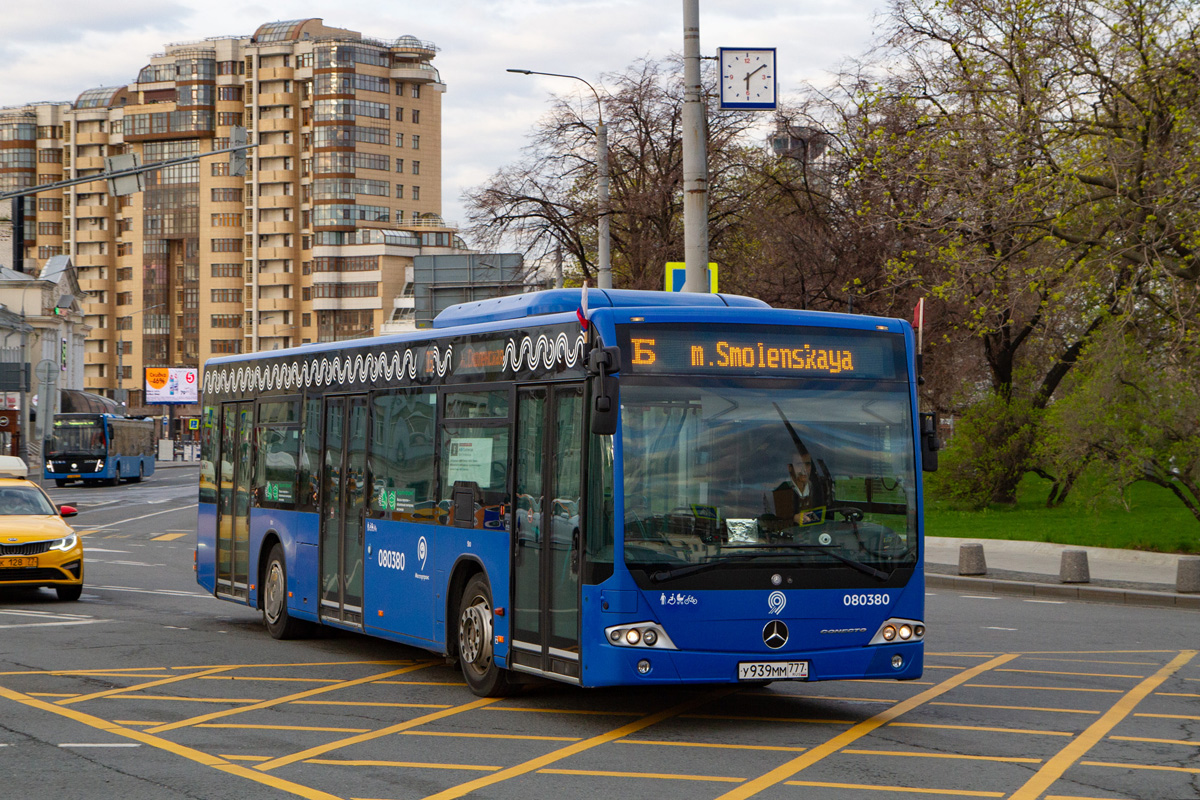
(1087, 594)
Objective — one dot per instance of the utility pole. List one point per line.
(695, 157)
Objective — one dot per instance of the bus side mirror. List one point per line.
(929, 441)
(603, 363)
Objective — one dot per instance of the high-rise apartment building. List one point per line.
(313, 243)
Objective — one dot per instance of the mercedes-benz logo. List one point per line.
(775, 634)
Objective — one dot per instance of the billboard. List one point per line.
(172, 385)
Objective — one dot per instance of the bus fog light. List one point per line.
(889, 632)
(897, 662)
(649, 638)
(919, 630)
(905, 632)
(633, 636)
(643, 666)
(615, 636)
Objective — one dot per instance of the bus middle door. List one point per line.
(342, 504)
(232, 477)
(547, 545)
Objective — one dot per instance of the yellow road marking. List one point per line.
(168, 537)
(1118, 765)
(1055, 767)
(755, 747)
(954, 756)
(1070, 674)
(408, 764)
(245, 758)
(248, 727)
(1175, 694)
(457, 735)
(355, 704)
(1018, 708)
(397, 662)
(661, 776)
(86, 671)
(312, 752)
(821, 751)
(174, 698)
(1096, 661)
(189, 753)
(1072, 797)
(1041, 688)
(52, 694)
(977, 728)
(271, 680)
(845, 699)
(944, 666)
(1168, 716)
(137, 722)
(567, 711)
(790, 720)
(1154, 741)
(423, 683)
(541, 762)
(910, 789)
(281, 700)
(138, 687)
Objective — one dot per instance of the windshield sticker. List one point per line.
(677, 599)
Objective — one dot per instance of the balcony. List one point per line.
(95, 137)
(277, 201)
(265, 331)
(277, 176)
(268, 253)
(91, 236)
(415, 74)
(89, 162)
(276, 304)
(90, 211)
(284, 227)
(276, 150)
(277, 124)
(276, 278)
(276, 74)
(275, 99)
(346, 303)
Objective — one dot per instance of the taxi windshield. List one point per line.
(23, 500)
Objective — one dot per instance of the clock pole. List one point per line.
(695, 157)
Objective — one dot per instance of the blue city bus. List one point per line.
(616, 487)
(99, 448)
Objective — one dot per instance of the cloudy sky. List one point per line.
(53, 50)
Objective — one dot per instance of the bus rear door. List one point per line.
(547, 544)
(233, 472)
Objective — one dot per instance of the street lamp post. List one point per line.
(121, 394)
(604, 258)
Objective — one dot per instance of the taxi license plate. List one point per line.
(772, 670)
(18, 562)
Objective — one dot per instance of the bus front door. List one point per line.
(342, 503)
(546, 539)
(233, 476)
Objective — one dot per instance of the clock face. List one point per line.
(747, 77)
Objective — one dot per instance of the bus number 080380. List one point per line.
(880, 599)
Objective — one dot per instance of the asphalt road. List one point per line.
(147, 688)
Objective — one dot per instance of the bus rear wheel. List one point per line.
(280, 624)
(475, 638)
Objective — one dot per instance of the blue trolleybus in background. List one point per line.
(625, 488)
(96, 447)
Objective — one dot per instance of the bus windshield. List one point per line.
(813, 474)
(77, 437)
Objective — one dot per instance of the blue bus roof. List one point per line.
(557, 301)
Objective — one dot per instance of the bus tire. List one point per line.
(115, 480)
(475, 638)
(141, 474)
(280, 624)
(70, 592)
(60, 482)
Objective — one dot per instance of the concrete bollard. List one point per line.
(970, 560)
(1187, 579)
(1074, 567)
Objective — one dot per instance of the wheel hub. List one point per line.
(475, 633)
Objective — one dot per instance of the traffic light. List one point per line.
(237, 159)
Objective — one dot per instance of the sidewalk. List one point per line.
(1131, 577)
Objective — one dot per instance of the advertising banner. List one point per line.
(172, 385)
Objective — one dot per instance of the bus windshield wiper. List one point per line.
(730, 559)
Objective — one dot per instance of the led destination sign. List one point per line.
(758, 350)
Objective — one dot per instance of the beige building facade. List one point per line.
(313, 243)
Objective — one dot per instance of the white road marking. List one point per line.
(91, 549)
(97, 744)
(145, 516)
(169, 592)
(1048, 602)
(977, 597)
(55, 624)
(132, 563)
(994, 628)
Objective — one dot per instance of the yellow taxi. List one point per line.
(36, 547)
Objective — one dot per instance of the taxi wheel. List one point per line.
(280, 624)
(69, 592)
(475, 639)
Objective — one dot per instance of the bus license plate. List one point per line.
(74, 476)
(18, 562)
(772, 670)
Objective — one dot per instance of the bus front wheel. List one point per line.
(280, 624)
(475, 639)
